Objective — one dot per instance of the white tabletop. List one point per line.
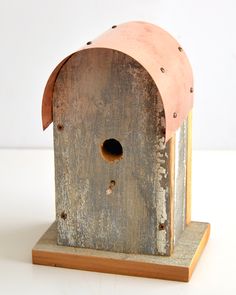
(27, 209)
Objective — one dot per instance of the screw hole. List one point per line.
(161, 226)
(162, 70)
(163, 131)
(180, 49)
(112, 183)
(113, 27)
(63, 215)
(60, 127)
(110, 188)
(89, 43)
(111, 150)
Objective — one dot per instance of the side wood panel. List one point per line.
(172, 190)
(189, 170)
(181, 138)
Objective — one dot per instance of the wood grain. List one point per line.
(180, 181)
(101, 94)
(172, 190)
(179, 266)
(199, 251)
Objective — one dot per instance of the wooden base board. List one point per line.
(179, 266)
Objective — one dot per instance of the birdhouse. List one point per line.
(121, 112)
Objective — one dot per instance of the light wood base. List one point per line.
(179, 266)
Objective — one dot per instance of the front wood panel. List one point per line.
(101, 94)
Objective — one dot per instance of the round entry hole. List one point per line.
(111, 150)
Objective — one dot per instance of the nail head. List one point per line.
(161, 226)
(162, 70)
(63, 215)
(60, 127)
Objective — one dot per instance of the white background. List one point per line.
(36, 35)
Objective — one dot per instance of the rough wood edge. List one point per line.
(189, 170)
(199, 250)
(109, 265)
(172, 190)
(124, 266)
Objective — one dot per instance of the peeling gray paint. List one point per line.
(180, 180)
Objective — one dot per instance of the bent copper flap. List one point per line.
(159, 53)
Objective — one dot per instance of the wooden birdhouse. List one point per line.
(121, 112)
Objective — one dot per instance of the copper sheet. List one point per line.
(159, 53)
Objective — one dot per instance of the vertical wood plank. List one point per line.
(172, 189)
(180, 180)
(189, 170)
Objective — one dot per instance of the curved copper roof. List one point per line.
(159, 53)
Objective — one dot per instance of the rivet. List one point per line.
(180, 49)
(191, 89)
(113, 27)
(63, 215)
(89, 43)
(174, 115)
(162, 70)
(60, 127)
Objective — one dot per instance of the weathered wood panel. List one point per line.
(101, 94)
(180, 180)
(172, 151)
(189, 171)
